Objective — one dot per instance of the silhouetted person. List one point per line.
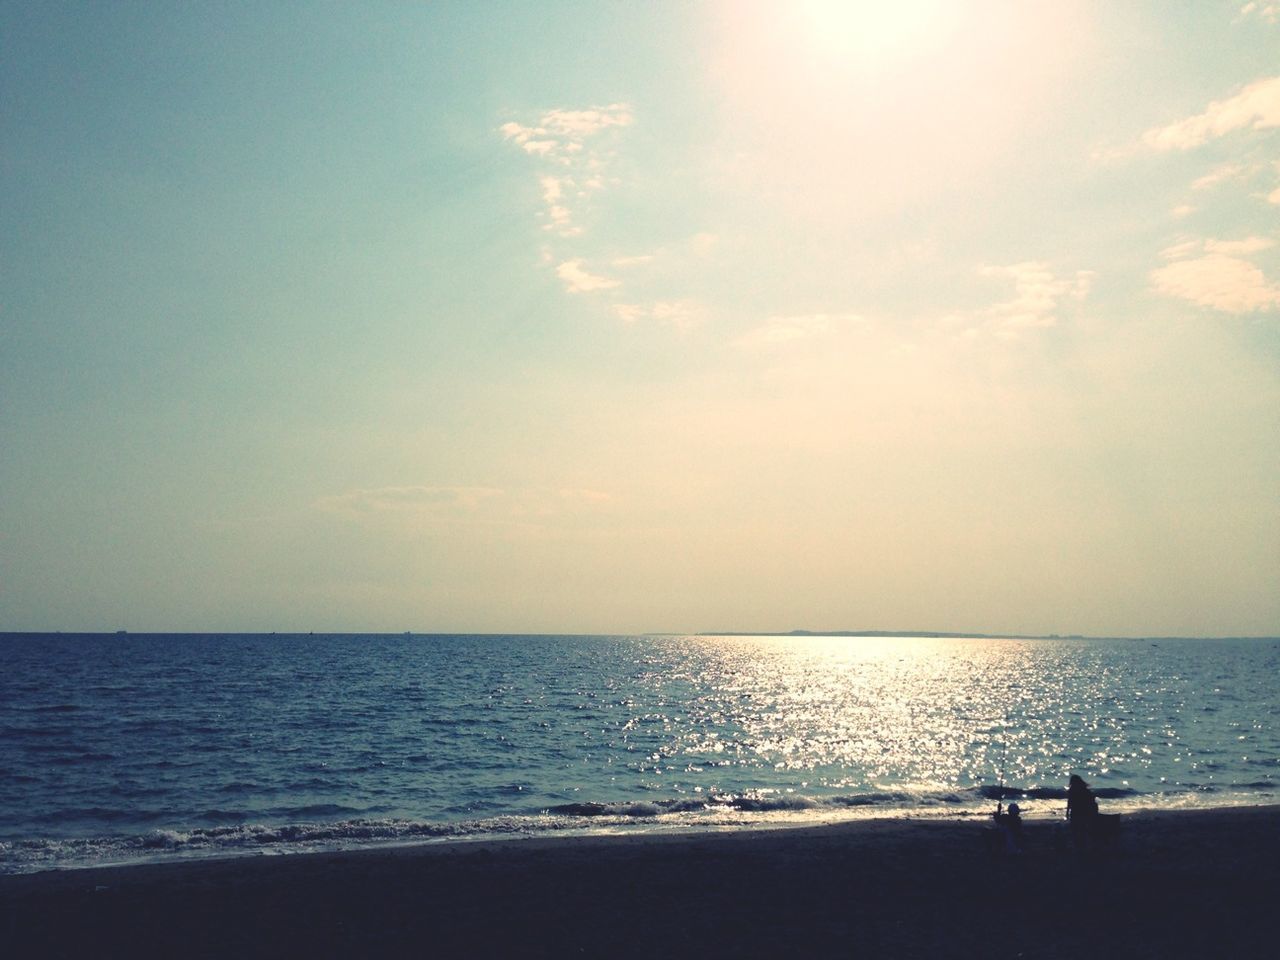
(1010, 824)
(1082, 811)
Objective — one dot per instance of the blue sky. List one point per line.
(624, 317)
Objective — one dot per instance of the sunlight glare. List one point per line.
(870, 34)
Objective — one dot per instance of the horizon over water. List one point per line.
(120, 747)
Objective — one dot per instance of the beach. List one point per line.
(1185, 883)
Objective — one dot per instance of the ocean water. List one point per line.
(118, 748)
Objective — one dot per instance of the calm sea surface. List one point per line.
(118, 748)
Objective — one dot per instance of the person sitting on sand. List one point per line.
(1082, 811)
(1010, 824)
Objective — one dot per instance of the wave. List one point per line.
(305, 828)
(748, 802)
(29, 856)
(767, 801)
(1052, 793)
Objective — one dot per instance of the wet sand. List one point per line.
(1185, 884)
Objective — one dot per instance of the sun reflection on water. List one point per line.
(906, 714)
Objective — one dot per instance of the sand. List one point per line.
(1202, 884)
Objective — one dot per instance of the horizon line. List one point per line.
(796, 633)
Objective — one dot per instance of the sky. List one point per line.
(617, 317)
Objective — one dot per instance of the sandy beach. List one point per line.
(1177, 884)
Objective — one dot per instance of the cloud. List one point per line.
(1181, 250)
(1256, 107)
(1182, 211)
(1239, 247)
(558, 216)
(1226, 172)
(578, 280)
(562, 140)
(526, 138)
(1037, 294)
(782, 331)
(681, 314)
(701, 244)
(409, 498)
(463, 505)
(574, 126)
(1214, 274)
(565, 131)
(1266, 12)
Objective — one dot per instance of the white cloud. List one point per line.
(561, 141)
(629, 312)
(1226, 172)
(1239, 247)
(681, 314)
(576, 125)
(566, 131)
(1182, 211)
(1264, 11)
(781, 331)
(517, 132)
(1037, 294)
(701, 244)
(1274, 196)
(1219, 281)
(696, 247)
(1256, 107)
(577, 279)
(462, 505)
(1181, 250)
(1215, 273)
(552, 189)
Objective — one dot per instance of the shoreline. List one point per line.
(140, 850)
(1178, 883)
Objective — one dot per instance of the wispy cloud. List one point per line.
(1239, 247)
(1255, 107)
(462, 505)
(1226, 173)
(1265, 11)
(409, 498)
(1214, 273)
(577, 279)
(680, 314)
(572, 150)
(782, 331)
(1038, 293)
(633, 261)
(564, 133)
(565, 143)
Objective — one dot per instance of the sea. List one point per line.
(123, 748)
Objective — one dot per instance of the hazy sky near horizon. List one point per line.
(579, 317)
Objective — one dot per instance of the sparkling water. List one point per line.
(131, 747)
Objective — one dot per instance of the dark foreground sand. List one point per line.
(1201, 884)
